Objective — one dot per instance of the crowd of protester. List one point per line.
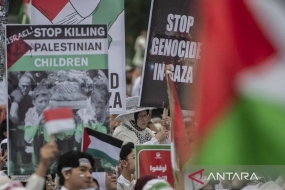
(75, 169)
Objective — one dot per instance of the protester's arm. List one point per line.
(165, 122)
(159, 137)
(47, 153)
(14, 112)
(16, 97)
(150, 124)
(3, 160)
(152, 127)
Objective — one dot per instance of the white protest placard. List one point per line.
(110, 12)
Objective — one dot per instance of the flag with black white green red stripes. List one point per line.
(102, 147)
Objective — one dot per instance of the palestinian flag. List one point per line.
(180, 145)
(101, 146)
(54, 11)
(241, 92)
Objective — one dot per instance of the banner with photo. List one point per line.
(172, 40)
(54, 66)
(4, 7)
(158, 162)
(110, 12)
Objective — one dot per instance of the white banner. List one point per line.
(109, 12)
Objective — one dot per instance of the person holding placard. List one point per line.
(134, 124)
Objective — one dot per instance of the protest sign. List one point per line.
(154, 160)
(54, 66)
(110, 12)
(4, 7)
(172, 40)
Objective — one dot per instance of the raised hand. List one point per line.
(3, 160)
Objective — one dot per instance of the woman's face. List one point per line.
(111, 180)
(142, 119)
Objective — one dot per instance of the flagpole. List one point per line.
(177, 171)
(165, 114)
(51, 138)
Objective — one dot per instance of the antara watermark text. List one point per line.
(232, 175)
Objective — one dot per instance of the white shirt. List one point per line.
(35, 182)
(123, 182)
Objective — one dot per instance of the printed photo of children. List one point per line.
(85, 92)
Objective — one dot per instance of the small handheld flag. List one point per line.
(101, 146)
(58, 120)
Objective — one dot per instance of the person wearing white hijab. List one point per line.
(101, 178)
(106, 180)
(134, 122)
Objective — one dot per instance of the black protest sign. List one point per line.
(172, 40)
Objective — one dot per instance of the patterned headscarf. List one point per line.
(129, 122)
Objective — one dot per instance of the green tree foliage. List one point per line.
(14, 6)
(136, 19)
